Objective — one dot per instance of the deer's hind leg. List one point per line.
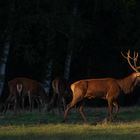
(30, 98)
(39, 103)
(23, 102)
(6, 104)
(64, 103)
(76, 98)
(81, 110)
(68, 108)
(59, 99)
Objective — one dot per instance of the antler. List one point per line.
(134, 59)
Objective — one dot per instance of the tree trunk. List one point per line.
(68, 61)
(3, 62)
(48, 77)
(71, 42)
(6, 48)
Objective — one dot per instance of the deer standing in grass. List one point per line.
(20, 88)
(60, 94)
(105, 88)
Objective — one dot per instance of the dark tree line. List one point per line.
(76, 39)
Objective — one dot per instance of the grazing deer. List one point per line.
(60, 89)
(106, 88)
(21, 87)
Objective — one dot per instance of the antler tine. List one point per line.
(128, 54)
(123, 55)
(128, 57)
(136, 55)
(135, 58)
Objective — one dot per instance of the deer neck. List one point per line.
(127, 84)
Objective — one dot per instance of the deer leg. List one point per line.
(11, 103)
(15, 105)
(30, 101)
(45, 106)
(51, 103)
(116, 108)
(69, 106)
(7, 104)
(23, 100)
(74, 101)
(42, 104)
(59, 104)
(110, 109)
(5, 107)
(64, 103)
(81, 110)
(38, 104)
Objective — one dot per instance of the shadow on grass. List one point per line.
(94, 115)
(48, 126)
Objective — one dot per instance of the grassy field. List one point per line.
(48, 126)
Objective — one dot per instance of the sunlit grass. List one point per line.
(72, 131)
(48, 126)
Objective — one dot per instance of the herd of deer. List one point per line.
(105, 88)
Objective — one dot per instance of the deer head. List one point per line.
(132, 61)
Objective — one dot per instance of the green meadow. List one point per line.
(49, 126)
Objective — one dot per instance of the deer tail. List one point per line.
(72, 88)
(19, 88)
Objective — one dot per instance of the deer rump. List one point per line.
(20, 88)
(59, 97)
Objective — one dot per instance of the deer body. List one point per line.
(92, 88)
(106, 88)
(21, 87)
(59, 87)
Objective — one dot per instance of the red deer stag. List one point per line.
(20, 88)
(106, 88)
(60, 89)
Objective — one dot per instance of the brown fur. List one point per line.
(21, 87)
(106, 88)
(59, 87)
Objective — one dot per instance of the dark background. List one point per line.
(95, 30)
